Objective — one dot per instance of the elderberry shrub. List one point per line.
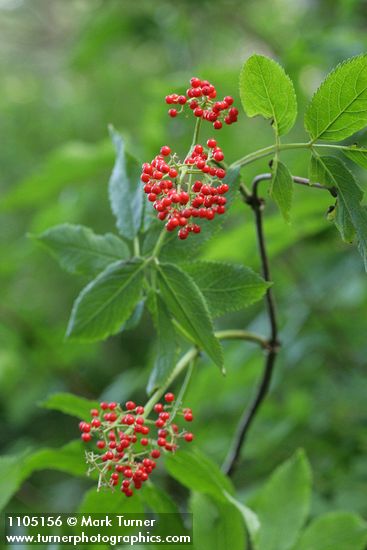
(168, 181)
(128, 443)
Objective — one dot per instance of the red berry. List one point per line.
(94, 412)
(86, 437)
(183, 234)
(144, 441)
(158, 407)
(172, 113)
(211, 143)
(195, 82)
(188, 437)
(188, 417)
(101, 444)
(169, 397)
(165, 150)
(217, 124)
(130, 405)
(155, 453)
(220, 173)
(218, 156)
(104, 406)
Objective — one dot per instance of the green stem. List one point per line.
(180, 366)
(195, 137)
(340, 147)
(242, 335)
(159, 243)
(183, 390)
(267, 151)
(192, 354)
(136, 245)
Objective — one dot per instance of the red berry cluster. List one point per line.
(128, 444)
(201, 99)
(178, 199)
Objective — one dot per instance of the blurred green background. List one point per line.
(67, 69)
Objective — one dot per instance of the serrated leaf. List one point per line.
(174, 249)
(79, 250)
(357, 155)
(166, 348)
(282, 189)
(334, 531)
(282, 504)
(107, 302)
(338, 109)
(217, 525)
(226, 287)
(350, 194)
(126, 190)
(69, 403)
(267, 90)
(186, 303)
(199, 473)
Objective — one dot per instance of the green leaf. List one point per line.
(135, 318)
(282, 505)
(226, 287)
(126, 190)
(70, 164)
(16, 469)
(350, 196)
(216, 525)
(250, 518)
(282, 189)
(186, 303)
(334, 531)
(317, 172)
(68, 403)
(343, 222)
(357, 155)
(158, 500)
(338, 109)
(99, 502)
(267, 90)
(79, 250)
(199, 473)
(107, 302)
(166, 348)
(11, 477)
